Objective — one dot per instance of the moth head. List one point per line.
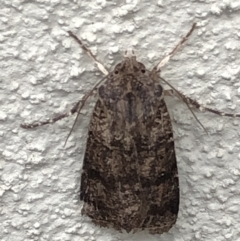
(129, 65)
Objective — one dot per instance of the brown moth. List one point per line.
(129, 179)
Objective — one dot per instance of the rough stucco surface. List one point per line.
(43, 72)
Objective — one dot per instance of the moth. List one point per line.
(130, 179)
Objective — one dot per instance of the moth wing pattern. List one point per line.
(129, 179)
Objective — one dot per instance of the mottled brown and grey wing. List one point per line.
(129, 178)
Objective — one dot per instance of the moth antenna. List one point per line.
(90, 54)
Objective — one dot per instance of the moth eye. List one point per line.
(143, 71)
(116, 72)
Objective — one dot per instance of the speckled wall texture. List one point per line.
(43, 72)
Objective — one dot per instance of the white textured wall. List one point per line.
(43, 72)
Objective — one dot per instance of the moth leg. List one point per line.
(89, 53)
(78, 106)
(196, 104)
(177, 93)
(179, 45)
(53, 120)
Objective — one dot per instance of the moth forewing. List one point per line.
(131, 157)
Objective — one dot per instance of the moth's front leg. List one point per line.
(173, 52)
(89, 53)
